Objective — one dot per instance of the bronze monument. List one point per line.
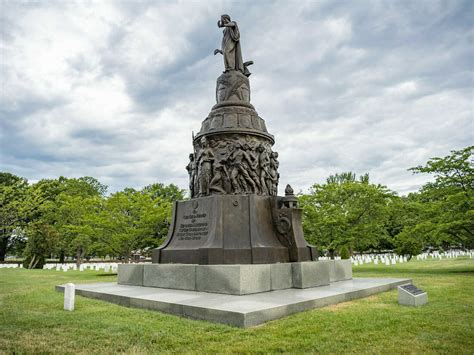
(234, 215)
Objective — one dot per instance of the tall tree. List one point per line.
(56, 207)
(130, 222)
(12, 193)
(345, 212)
(447, 215)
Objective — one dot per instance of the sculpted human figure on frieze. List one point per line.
(240, 162)
(275, 176)
(264, 164)
(220, 178)
(192, 172)
(234, 164)
(205, 159)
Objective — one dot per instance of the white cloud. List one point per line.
(114, 89)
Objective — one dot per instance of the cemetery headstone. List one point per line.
(69, 296)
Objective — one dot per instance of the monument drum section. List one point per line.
(234, 215)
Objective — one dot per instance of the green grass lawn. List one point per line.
(32, 319)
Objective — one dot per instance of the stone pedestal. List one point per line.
(340, 270)
(310, 274)
(130, 274)
(234, 279)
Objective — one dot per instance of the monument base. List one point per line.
(234, 229)
(235, 279)
(240, 311)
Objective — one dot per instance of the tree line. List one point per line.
(352, 213)
(75, 218)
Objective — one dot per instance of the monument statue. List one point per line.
(234, 215)
(230, 46)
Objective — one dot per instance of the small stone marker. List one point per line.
(69, 295)
(410, 295)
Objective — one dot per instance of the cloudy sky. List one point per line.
(113, 89)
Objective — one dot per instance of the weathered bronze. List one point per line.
(234, 215)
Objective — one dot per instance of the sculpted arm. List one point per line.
(225, 24)
(247, 157)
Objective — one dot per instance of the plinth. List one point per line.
(234, 229)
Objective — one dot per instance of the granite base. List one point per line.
(240, 311)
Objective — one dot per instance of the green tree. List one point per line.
(41, 240)
(345, 212)
(445, 217)
(168, 193)
(13, 190)
(58, 207)
(74, 217)
(135, 221)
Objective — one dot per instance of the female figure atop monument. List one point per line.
(230, 47)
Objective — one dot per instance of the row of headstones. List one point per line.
(449, 254)
(10, 266)
(393, 259)
(387, 259)
(106, 267)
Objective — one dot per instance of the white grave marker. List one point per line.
(69, 295)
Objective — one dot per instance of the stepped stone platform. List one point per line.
(236, 310)
(235, 279)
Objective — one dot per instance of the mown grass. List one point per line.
(32, 319)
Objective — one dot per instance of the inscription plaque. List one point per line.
(410, 295)
(412, 289)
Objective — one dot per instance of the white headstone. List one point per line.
(69, 295)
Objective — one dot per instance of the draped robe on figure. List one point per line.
(231, 49)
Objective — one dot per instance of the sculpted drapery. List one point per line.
(231, 45)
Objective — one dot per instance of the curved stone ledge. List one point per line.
(233, 103)
(225, 131)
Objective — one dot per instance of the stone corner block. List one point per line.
(310, 273)
(233, 279)
(340, 270)
(281, 276)
(175, 276)
(130, 274)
